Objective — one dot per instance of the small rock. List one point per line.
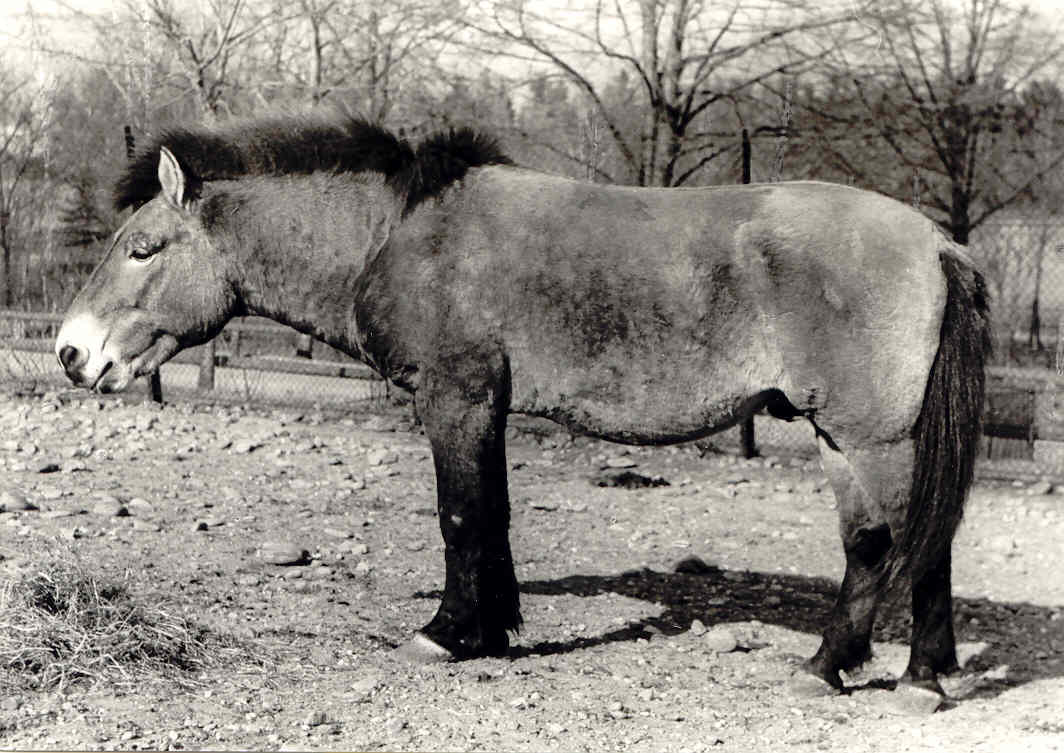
(627, 480)
(542, 504)
(694, 565)
(912, 700)
(969, 650)
(138, 505)
(53, 514)
(244, 446)
(363, 690)
(110, 506)
(620, 461)
(355, 483)
(999, 673)
(1004, 544)
(698, 627)
(284, 553)
(382, 457)
(1040, 487)
(50, 492)
(316, 719)
(720, 640)
(380, 423)
(13, 500)
(354, 547)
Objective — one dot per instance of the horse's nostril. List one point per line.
(70, 357)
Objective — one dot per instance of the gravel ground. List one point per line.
(671, 617)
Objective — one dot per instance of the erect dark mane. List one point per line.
(287, 146)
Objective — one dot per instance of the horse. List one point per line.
(636, 315)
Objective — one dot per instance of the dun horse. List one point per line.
(642, 316)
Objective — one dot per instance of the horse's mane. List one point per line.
(301, 145)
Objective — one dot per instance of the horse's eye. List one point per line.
(144, 249)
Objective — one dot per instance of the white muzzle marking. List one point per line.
(86, 334)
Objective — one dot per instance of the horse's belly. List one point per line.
(642, 401)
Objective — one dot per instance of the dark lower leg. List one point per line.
(847, 641)
(933, 646)
(480, 601)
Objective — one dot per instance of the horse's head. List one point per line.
(163, 286)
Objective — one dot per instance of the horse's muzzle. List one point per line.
(74, 360)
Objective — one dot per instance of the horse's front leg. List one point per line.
(464, 416)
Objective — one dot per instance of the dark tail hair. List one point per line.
(949, 426)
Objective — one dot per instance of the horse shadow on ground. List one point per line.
(1026, 637)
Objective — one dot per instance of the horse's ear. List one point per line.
(172, 179)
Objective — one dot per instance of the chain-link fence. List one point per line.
(251, 361)
(1022, 257)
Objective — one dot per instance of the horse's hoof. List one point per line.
(914, 700)
(423, 650)
(802, 684)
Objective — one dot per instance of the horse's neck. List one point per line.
(303, 242)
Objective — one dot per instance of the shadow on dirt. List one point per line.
(1025, 637)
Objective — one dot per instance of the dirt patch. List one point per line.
(619, 651)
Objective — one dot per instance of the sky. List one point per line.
(75, 37)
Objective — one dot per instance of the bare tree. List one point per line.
(940, 93)
(361, 54)
(202, 44)
(25, 110)
(687, 57)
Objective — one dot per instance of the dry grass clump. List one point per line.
(62, 623)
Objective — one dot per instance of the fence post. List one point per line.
(205, 380)
(746, 430)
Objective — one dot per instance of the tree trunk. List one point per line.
(1034, 340)
(960, 221)
(5, 282)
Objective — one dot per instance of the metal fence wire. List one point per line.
(259, 362)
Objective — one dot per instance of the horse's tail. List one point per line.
(948, 428)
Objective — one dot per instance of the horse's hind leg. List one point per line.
(933, 647)
(463, 410)
(871, 487)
